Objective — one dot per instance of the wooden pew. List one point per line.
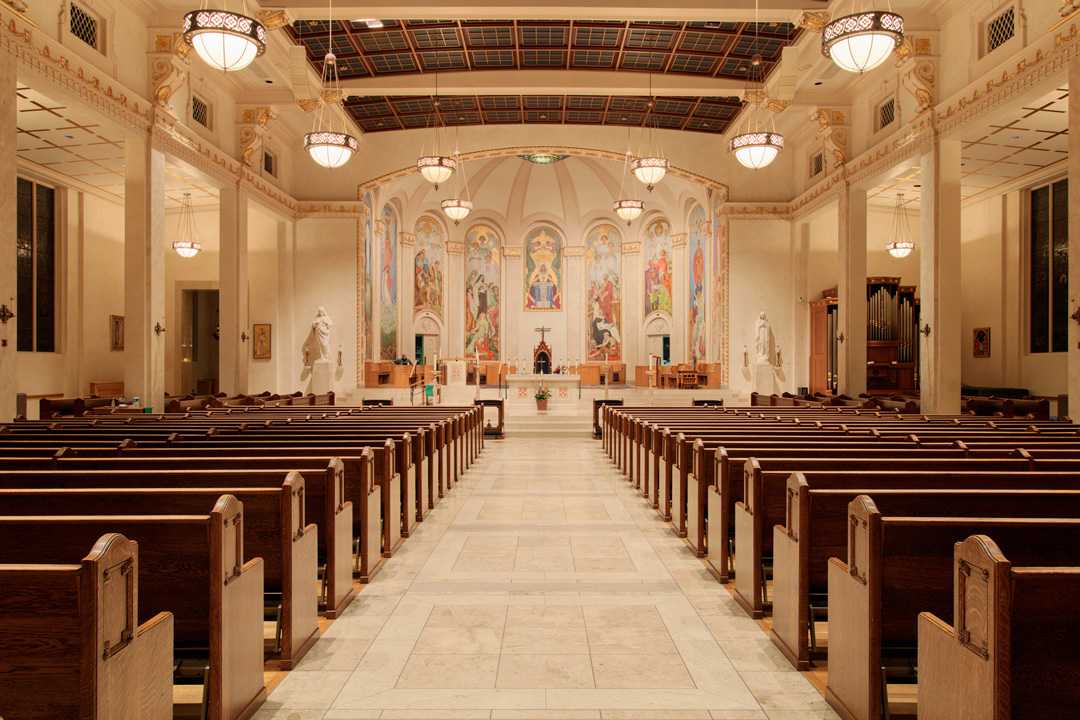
(190, 565)
(815, 530)
(1012, 649)
(71, 645)
(898, 567)
(274, 530)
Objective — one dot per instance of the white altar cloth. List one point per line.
(522, 387)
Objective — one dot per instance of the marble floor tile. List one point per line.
(544, 587)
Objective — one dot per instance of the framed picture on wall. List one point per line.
(260, 341)
(116, 332)
(981, 342)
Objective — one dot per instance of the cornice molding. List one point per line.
(754, 211)
(340, 210)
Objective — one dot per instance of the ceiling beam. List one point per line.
(683, 10)
(545, 82)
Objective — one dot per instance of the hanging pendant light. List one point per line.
(187, 244)
(758, 144)
(457, 209)
(225, 40)
(327, 145)
(861, 41)
(627, 208)
(901, 244)
(436, 167)
(651, 166)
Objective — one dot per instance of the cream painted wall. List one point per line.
(103, 292)
(197, 273)
(325, 274)
(263, 297)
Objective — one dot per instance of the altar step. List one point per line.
(548, 426)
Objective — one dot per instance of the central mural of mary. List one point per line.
(543, 269)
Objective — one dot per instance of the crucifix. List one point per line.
(543, 332)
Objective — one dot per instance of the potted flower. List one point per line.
(542, 396)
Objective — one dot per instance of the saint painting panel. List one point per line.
(699, 237)
(657, 259)
(388, 285)
(429, 265)
(543, 268)
(483, 270)
(603, 293)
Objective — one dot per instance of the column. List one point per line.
(406, 277)
(680, 303)
(1074, 240)
(852, 291)
(71, 208)
(574, 304)
(454, 322)
(633, 342)
(144, 271)
(8, 227)
(286, 349)
(939, 279)
(234, 344)
(797, 357)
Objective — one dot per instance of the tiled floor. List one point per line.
(544, 588)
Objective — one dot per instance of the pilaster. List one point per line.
(8, 230)
(939, 279)
(235, 342)
(1074, 240)
(144, 270)
(252, 129)
(851, 291)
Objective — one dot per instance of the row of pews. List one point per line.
(154, 563)
(933, 562)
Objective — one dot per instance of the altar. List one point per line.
(563, 388)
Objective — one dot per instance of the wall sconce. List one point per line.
(158, 328)
(6, 314)
(925, 330)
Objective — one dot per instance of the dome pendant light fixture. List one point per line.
(225, 40)
(901, 244)
(187, 244)
(458, 208)
(651, 166)
(626, 208)
(863, 40)
(758, 144)
(327, 145)
(436, 167)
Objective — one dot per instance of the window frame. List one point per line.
(1055, 317)
(879, 107)
(57, 262)
(104, 11)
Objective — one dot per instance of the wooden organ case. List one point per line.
(892, 339)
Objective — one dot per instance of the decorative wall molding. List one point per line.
(512, 251)
(406, 239)
(815, 20)
(169, 65)
(754, 211)
(833, 124)
(678, 240)
(708, 183)
(341, 209)
(455, 248)
(574, 251)
(252, 130)
(631, 248)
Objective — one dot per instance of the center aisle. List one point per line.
(543, 587)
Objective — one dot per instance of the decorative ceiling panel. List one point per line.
(377, 114)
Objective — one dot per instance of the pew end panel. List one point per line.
(236, 688)
(854, 639)
(299, 549)
(339, 555)
(749, 574)
(791, 576)
(961, 667)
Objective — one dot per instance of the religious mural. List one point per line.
(657, 258)
(388, 285)
(483, 305)
(699, 237)
(603, 293)
(429, 265)
(369, 252)
(543, 269)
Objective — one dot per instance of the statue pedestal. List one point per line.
(764, 379)
(322, 377)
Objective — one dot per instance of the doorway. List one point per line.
(199, 334)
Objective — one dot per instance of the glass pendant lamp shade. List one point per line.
(457, 209)
(629, 210)
(436, 169)
(757, 150)
(225, 40)
(901, 245)
(650, 170)
(862, 41)
(330, 149)
(187, 244)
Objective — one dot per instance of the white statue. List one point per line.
(762, 332)
(320, 328)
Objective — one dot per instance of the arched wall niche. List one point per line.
(603, 294)
(656, 261)
(698, 237)
(389, 282)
